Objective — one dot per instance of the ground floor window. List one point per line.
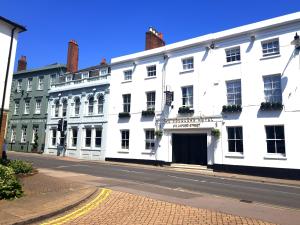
(125, 139)
(53, 137)
(235, 139)
(98, 137)
(13, 135)
(88, 137)
(23, 134)
(275, 139)
(149, 139)
(34, 132)
(74, 137)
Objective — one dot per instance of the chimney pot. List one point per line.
(154, 39)
(72, 58)
(103, 61)
(22, 63)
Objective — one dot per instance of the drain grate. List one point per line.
(246, 201)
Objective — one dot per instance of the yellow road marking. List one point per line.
(83, 210)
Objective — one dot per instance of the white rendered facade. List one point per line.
(258, 58)
(81, 99)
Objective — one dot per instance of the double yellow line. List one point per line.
(83, 210)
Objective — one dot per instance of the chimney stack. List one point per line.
(154, 39)
(22, 63)
(103, 61)
(72, 60)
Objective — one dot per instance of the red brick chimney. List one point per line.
(22, 63)
(154, 39)
(72, 60)
(103, 61)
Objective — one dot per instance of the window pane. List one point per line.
(239, 133)
(280, 146)
(270, 132)
(239, 146)
(230, 131)
(271, 146)
(231, 145)
(279, 130)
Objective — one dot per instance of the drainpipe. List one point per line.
(6, 76)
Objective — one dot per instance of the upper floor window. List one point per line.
(234, 92)
(126, 102)
(187, 96)
(151, 71)
(233, 54)
(77, 106)
(38, 107)
(64, 107)
(40, 83)
(125, 139)
(150, 100)
(52, 79)
(235, 139)
(56, 109)
(19, 85)
(94, 73)
(128, 75)
(270, 47)
(17, 106)
(91, 106)
(103, 72)
(29, 84)
(100, 104)
(27, 107)
(272, 89)
(275, 139)
(150, 140)
(188, 63)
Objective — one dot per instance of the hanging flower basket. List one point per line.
(215, 132)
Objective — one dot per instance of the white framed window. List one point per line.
(126, 102)
(150, 100)
(34, 131)
(64, 107)
(91, 106)
(74, 136)
(19, 85)
(270, 47)
(56, 109)
(100, 103)
(77, 106)
(151, 71)
(29, 84)
(235, 139)
(38, 107)
(23, 134)
(233, 54)
(13, 134)
(272, 88)
(98, 137)
(40, 83)
(53, 137)
(88, 137)
(17, 106)
(149, 139)
(234, 96)
(187, 96)
(125, 139)
(53, 79)
(94, 73)
(188, 63)
(85, 75)
(128, 75)
(27, 107)
(103, 72)
(275, 139)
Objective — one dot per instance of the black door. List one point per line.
(189, 148)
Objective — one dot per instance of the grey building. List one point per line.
(28, 105)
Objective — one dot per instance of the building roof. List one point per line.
(21, 27)
(48, 67)
(218, 36)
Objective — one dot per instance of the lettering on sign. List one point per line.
(189, 122)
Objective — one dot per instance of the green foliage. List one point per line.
(9, 185)
(185, 109)
(35, 144)
(158, 133)
(231, 108)
(215, 132)
(20, 166)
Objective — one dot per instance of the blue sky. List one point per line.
(111, 28)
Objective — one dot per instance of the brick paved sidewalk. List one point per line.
(123, 208)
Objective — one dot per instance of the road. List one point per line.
(246, 191)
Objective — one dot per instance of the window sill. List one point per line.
(126, 81)
(37, 113)
(123, 151)
(270, 57)
(232, 63)
(55, 118)
(71, 148)
(275, 157)
(235, 155)
(74, 116)
(96, 115)
(186, 71)
(149, 78)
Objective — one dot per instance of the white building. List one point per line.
(253, 71)
(80, 99)
(8, 43)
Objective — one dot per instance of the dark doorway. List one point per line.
(189, 148)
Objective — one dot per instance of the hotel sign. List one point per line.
(190, 123)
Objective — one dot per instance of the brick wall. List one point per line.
(2, 132)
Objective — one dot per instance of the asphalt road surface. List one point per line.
(248, 191)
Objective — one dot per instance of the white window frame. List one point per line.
(125, 140)
(98, 137)
(126, 102)
(187, 63)
(150, 100)
(100, 104)
(91, 102)
(74, 141)
(274, 81)
(17, 107)
(77, 104)
(233, 54)
(188, 97)
(234, 92)
(53, 78)
(34, 131)
(23, 134)
(151, 71)
(127, 75)
(88, 137)
(275, 140)
(64, 108)
(40, 83)
(27, 107)
(103, 72)
(13, 134)
(53, 137)
(270, 47)
(149, 139)
(235, 139)
(19, 86)
(29, 84)
(56, 109)
(38, 105)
